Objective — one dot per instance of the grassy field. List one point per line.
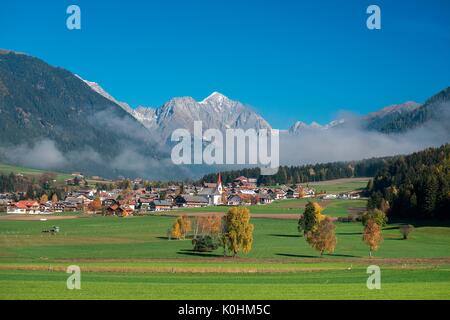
(7, 169)
(332, 284)
(340, 185)
(131, 258)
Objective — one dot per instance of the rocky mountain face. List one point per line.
(216, 112)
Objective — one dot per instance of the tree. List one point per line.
(96, 204)
(30, 192)
(378, 216)
(181, 227)
(205, 243)
(175, 232)
(372, 235)
(312, 216)
(237, 231)
(405, 230)
(323, 237)
(43, 199)
(54, 198)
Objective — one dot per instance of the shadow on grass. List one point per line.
(295, 255)
(400, 238)
(348, 233)
(285, 235)
(340, 255)
(190, 252)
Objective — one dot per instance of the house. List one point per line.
(73, 203)
(291, 193)
(160, 205)
(264, 199)
(189, 201)
(144, 204)
(109, 202)
(24, 207)
(121, 211)
(245, 182)
(234, 200)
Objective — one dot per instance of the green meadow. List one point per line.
(131, 258)
(7, 169)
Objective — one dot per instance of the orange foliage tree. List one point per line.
(372, 235)
(96, 205)
(323, 236)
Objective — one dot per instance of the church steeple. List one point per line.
(219, 184)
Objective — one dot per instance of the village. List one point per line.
(140, 199)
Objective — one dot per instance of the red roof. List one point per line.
(24, 204)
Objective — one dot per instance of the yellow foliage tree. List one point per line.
(44, 199)
(323, 237)
(181, 227)
(54, 198)
(175, 232)
(312, 216)
(237, 231)
(372, 235)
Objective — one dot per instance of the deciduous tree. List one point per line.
(312, 216)
(43, 199)
(237, 231)
(323, 237)
(372, 235)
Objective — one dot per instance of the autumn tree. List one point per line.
(312, 216)
(378, 216)
(54, 198)
(237, 231)
(207, 225)
(43, 199)
(181, 227)
(96, 204)
(372, 235)
(207, 231)
(175, 232)
(323, 236)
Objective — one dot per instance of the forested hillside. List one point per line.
(307, 173)
(414, 186)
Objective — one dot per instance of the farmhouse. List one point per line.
(160, 205)
(264, 199)
(24, 207)
(189, 201)
(234, 200)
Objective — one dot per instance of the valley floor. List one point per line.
(131, 258)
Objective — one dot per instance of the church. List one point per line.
(213, 192)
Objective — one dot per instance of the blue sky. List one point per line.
(291, 60)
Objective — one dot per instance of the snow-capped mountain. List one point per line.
(97, 88)
(377, 120)
(216, 112)
(300, 126)
(395, 108)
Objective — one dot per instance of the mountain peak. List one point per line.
(215, 97)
